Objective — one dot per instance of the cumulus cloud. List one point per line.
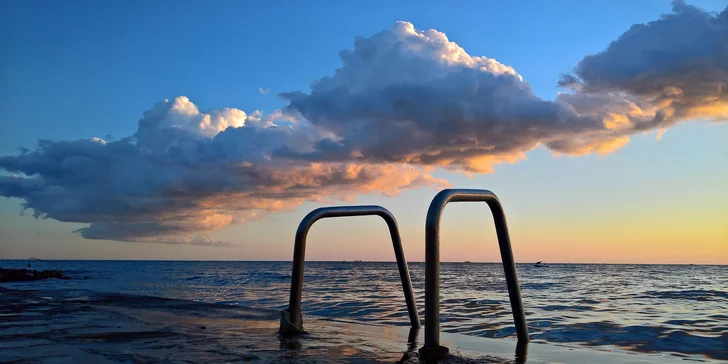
(403, 102)
(176, 177)
(411, 96)
(678, 65)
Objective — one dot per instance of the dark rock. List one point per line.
(20, 275)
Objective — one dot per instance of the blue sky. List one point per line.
(77, 69)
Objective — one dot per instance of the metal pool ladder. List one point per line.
(291, 319)
(432, 347)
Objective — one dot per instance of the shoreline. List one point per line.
(70, 325)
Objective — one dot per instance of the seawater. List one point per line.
(677, 309)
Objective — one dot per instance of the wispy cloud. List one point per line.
(263, 91)
(403, 102)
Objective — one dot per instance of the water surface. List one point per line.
(677, 309)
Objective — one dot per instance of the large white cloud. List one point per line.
(411, 96)
(404, 101)
(174, 178)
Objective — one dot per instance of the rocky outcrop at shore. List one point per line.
(21, 275)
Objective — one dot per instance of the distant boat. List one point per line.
(540, 264)
(467, 262)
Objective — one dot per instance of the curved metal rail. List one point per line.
(432, 265)
(294, 305)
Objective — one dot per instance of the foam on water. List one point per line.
(646, 308)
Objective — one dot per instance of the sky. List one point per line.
(170, 130)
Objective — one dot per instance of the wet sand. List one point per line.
(76, 326)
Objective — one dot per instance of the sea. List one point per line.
(679, 310)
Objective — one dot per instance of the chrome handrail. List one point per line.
(432, 265)
(294, 324)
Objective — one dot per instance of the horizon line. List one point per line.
(350, 261)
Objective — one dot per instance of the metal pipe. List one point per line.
(432, 264)
(299, 252)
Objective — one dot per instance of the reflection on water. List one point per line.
(645, 308)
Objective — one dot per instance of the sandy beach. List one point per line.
(65, 326)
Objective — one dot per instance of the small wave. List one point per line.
(540, 286)
(695, 294)
(566, 308)
(640, 338)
